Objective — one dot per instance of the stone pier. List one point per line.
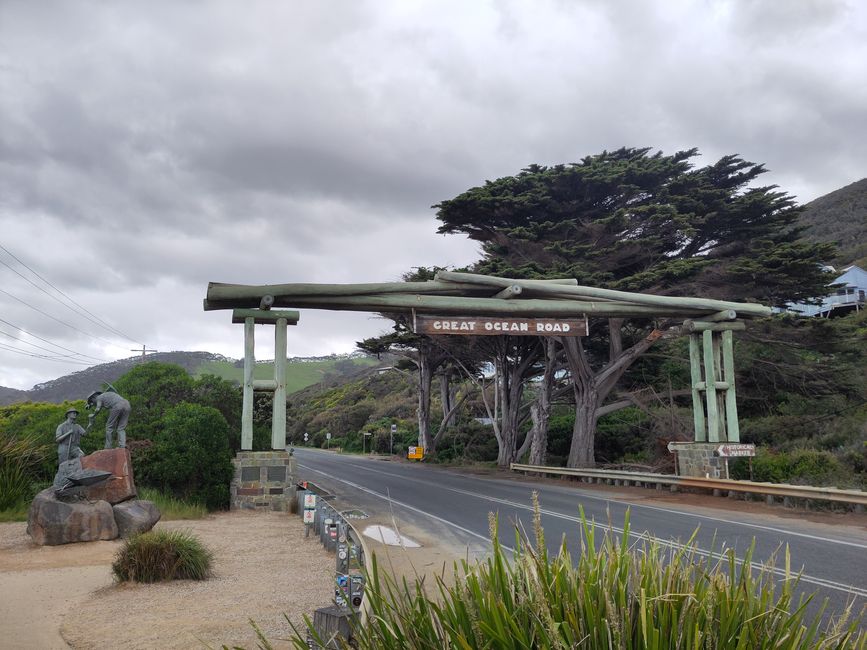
(264, 480)
(699, 459)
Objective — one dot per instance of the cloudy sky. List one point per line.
(147, 148)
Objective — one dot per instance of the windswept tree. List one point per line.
(638, 221)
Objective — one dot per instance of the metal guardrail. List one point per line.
(857, 498)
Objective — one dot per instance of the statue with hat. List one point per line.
(68, 438)
(118, 414)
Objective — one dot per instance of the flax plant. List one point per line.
(648, 595)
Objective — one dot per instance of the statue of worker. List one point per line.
(118, 414)
(68, 437)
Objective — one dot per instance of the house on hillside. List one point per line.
(848, 295)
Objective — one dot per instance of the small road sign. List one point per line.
(733, 450)
(328, 436)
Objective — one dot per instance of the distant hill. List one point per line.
(300, 372)
(841, 218)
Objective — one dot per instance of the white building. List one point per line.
(848, 297)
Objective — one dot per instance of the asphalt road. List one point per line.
(830, 551)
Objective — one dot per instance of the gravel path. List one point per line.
(264, 568)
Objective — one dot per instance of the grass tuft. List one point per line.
(162, 555)
(172, 508)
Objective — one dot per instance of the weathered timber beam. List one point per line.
(265, 317)
(566, 292)
(702, 326)
(474, 306)
(509, 292)
(218, 291)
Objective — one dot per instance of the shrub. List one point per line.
(161, 555)
(617, 595)
(19, 458)
(190, 456)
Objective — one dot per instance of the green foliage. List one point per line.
(617, 594)
(161, 555)
(632, 220)
(152, 389)
(171, 507)
(190, 456)
(20, 458)
(799, 467)
(469, 442)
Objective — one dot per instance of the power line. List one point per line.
(81, 311)
(9, 348)
(38, 347)
(65, 324)
(70, 307)
(23, 331)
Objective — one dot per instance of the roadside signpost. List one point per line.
(309, 512)
(735, 450)
(391, 440)
(364, 440)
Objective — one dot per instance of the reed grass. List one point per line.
(172, 508)
(646, 595)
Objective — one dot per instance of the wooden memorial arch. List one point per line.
(471, 304)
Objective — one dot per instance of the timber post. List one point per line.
(280, 319)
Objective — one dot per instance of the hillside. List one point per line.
(300, 372)
(841, 218)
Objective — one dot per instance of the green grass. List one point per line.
(617, 594)
(16, 513)
(161, 555)
(172, 508)
(298, 374)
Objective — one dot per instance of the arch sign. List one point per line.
(481, 326)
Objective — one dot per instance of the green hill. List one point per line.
(840, 217)
(300, 373)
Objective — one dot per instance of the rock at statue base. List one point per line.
(135, 516)
(120, 487)
(51, 522)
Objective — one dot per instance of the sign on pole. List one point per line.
(735, 450)
(488, 326)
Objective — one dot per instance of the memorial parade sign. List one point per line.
(493, 326)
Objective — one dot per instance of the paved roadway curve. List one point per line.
(454, 506)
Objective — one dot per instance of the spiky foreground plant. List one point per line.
(616, 595)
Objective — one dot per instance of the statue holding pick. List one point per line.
(68, 437)
(118, 414)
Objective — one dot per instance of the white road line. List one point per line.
(484, 538)
(817, 538)
(814, 580)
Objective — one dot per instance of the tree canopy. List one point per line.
(639, 221)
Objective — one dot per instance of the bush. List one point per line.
(190, 456)
(617, 595)
(162, 555)
(20, 457)
(801, 466)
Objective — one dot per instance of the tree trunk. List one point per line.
(591, 388)
(540, 412)
(425, 379)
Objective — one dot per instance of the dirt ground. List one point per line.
(64, 596)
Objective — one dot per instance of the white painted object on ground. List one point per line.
(389, 537)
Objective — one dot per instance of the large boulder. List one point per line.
(135, 516)
(120, 487)
(51, 521)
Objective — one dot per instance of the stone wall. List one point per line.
(263, 480)
(699, 459)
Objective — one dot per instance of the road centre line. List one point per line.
(826, 540)
(407, 506)
(814, 580)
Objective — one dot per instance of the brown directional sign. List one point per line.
(492, 326)
(732, 450)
